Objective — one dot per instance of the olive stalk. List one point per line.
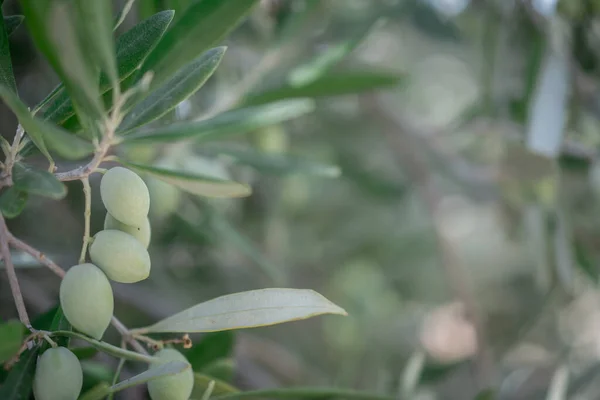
(87, 192)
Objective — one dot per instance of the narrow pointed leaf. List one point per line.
(202, 26)
(11, 339)
(53, 28)
(305, 393)
(38, 182)
(193, 183)
(337, 84)
(227, 124)
(184, 84)
(281, 164)
(96, 25)
(18, 383)
(12, 202)
(7, 77)
(202, 382)
(132, 47)
(248, 310)
(45, 135)
(12, 22)
(60, 323)
(170, 368)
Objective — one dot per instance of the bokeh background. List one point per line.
(453, 212)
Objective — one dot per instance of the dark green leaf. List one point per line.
(98, 392)
(184, 84)
(132, 47)
(337, 84)
(197, 184)
(212, 347)
(282, 164)
(39, 182)
(60, 323)
(12, 22)
(222, 369)
(19, 382)
(12, 202)
(84, 353)
(96, 25)
(305, 393)
(46, 135)
(202, 26)
(11, 339)
(232, 122)
(44, 321)
(7, 78)
(53, 28)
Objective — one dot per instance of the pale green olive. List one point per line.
(141, 232)
(172, 387)
(86, 299)
(121, 256)
(125, 196)
(58, 375)
(164, 198)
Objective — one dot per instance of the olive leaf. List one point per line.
(304, 393)
(213, 346)
(98, 392)
(249, 309)
(184, 84)
(7, 77)
(166, 369)
(194, 183)
(226, 124)
(202, 382)
(11, 339)
(19, 382)
(202, 26)
(12, 22)
(12, 202)
(38, 182)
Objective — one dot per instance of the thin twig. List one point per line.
(12, 275)
(87, 192)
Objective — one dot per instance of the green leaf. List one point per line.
(7, 77)
(305, 393)
(184, 84)
(38, 182)
(84, 353)
(226, 124)
(19, 382)
(53, 28)
(212, 347)
(96, 24)
(340, 83)
(11, 339)
(222, 369)
(197, 184)
(201, 382)
(281, 164)
(249, 309)
(166, 369)
(132, 48)
(46, 135)
(98, 392)
(12, 22)
(202, 26)
(59, 323)
(12, 202)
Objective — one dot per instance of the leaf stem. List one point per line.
(12, 275)
(87, 192)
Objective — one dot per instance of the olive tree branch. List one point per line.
(41, 257)
(12, 275)
(87, 192)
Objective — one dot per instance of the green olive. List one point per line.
(172, 387)
(121, 256)
(141, 232)
(164, 198)
(125, 196)
(87, 299)
(58, 375)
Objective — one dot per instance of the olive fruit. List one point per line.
(58, 375)
(141, 232)
(121, 256)
(164, 198)
(87, 299)
(125, 196)
(171, 387)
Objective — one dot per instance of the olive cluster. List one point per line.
(119, 253)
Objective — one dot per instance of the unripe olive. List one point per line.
(165, 198)
(58, 375)
(121, 256)
(141, 232)
(172, 387)
(87, 299)
(125, 196)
